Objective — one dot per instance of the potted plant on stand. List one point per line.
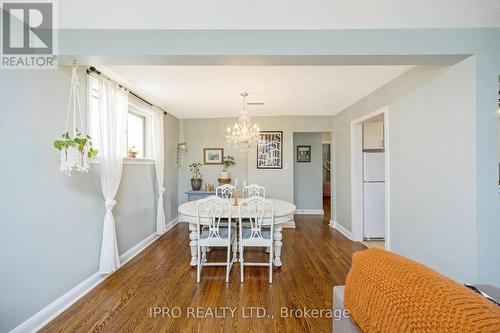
(224, 175)
(196, 180)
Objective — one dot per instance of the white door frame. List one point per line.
(357, 175)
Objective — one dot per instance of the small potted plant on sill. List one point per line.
(224, 175)
(132, 152)
(196, 180)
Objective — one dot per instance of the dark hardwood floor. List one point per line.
(327, 208)
(315, 258)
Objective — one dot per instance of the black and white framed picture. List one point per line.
(270, 150)
(304, 154)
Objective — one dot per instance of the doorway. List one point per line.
(370, 194)
(326, 174)
(312, 173)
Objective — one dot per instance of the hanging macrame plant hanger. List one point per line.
(181, 147)
(76, 147)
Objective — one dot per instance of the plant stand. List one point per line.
(223, 181)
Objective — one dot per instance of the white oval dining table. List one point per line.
(283, 213)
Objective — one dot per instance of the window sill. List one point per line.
(127, 161)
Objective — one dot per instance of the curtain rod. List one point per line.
(96, 71)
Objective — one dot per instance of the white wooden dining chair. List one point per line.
(260, 215)
(209, 213)
(254, 189)
(225, 191)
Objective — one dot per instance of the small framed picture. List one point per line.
(213, 156)
(304, 154)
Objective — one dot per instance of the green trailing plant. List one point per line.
(228, 161)
(195, 170)
(78, 142)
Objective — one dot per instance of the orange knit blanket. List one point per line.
(385, 292)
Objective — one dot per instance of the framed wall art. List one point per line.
(213, 156)
(304, 154)
(270, 150)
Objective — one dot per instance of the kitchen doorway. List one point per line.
(370, 194)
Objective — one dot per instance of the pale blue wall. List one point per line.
(208, 133)
(51, 224)
(431, 142)
(308, 176)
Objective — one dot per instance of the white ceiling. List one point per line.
(277, 14)
(214, 91)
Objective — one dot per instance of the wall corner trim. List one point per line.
(47, 314)
(341, 229)
(172, 223)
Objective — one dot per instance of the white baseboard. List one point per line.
(310, 212)
(138, 248)
(44, 316)
(172, 224)
(341, 229)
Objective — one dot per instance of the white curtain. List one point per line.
(159, 166)
(113, 111)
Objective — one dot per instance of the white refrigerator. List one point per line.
(374, 195)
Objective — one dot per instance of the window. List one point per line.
(93, 111)
(139, 130)
(135, 134)
(137, 144)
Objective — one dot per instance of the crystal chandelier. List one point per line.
(243, 136)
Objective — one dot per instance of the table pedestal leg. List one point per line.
(204, 253)
(277, 245)
(235, 251)
(193, 236)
